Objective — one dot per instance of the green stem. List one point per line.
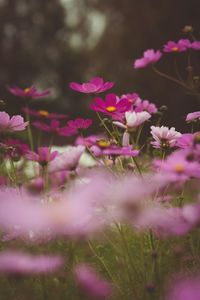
(105, 126)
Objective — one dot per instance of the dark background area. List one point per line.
(48, 43)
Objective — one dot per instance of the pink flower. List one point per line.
(195, 45)
(15, 148)
(54, 126)
(185, 289)
(150, 57)
(132, 98)
(9, 124)
(68, 160)
(145, 105)
(21, 263)
(180, 46)
(194, 116)
(133, 120)
(112, 106)
(177, 168)
(91, 283)
(89, 140)
(73, 126)
(94, 86)
(164, 137)
(43, 155)
(31, 93)
(113, 150)
(79, 123)
(185, 141)
(43, 114)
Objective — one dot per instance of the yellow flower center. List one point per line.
(43, 113)
(175, 49)
(103, 143)
(111, 108)
(179, 168)
(27, 90)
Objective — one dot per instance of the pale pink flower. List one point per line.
(25, 264)
(150, 57)
(132, 121)
(91, 282)
(177, 167)
(9, 124)
(68, 160)
(164, 136)
(194, 116)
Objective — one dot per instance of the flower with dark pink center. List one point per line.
(94, 86)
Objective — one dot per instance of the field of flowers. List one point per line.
(116, 214)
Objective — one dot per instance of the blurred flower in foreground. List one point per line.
(164, 137)
(94, 86)
(9, 124)
(21, 263)
(150, 57)
(185, 289)
(31, 92)
(92, 283)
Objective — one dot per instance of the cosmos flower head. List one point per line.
(10, 124)
(44, 114)
(194, 116)
(74, 126)
(53, 126)
(150, 56)
(111, 106)
(185, 288)
(164, 137)
(177, 167)
(94, 86)
(28, 93)
(114, 151)
(133, 119)
(180, 46)
(15, 262)
(91, 283)
(43, 155)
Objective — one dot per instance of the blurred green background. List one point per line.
(49, 43)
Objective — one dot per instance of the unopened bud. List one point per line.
(187, 29)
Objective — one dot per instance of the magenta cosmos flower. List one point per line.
(113, 150)
(94, 86)
(91, 283)
(21, 263)
(112, 106)
(194, 116)
(43, 114)
(185, 289)
(73, 126)
(30, 92)
(164, 137)
(54, 126)
(9, 124)
(180, 46)
(43, 155)
(150, 56)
